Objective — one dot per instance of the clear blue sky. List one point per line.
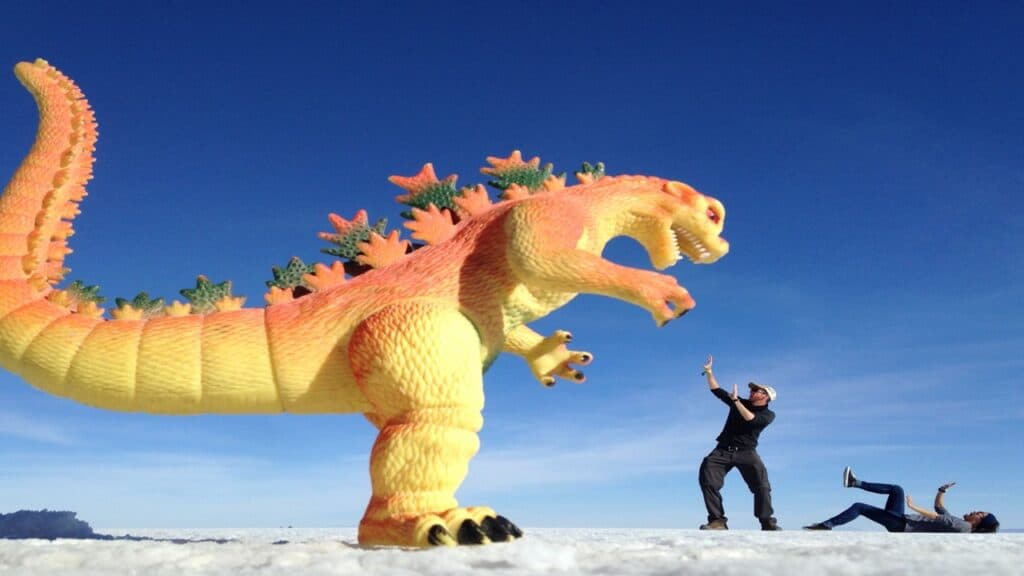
(870, 156)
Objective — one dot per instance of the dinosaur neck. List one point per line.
(613, 215)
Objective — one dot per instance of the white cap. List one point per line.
(768, 389)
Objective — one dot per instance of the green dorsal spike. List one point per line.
(347, 245)
(205, 294)
(439, 194)
(524, 175)
(149, 306)
(595, 170)
(291, 275)
(79, 292)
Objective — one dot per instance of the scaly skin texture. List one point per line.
(405, 343)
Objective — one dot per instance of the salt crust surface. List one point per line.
(542, 551)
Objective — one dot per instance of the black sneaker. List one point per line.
(849, 480)
(714, 525)
(817, 526)
(770, 527)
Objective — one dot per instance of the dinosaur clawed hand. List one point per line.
(666, 299)
(550, 359)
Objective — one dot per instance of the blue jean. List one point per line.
(891, 517)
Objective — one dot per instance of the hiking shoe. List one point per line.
(849, 480)
(818, 526)
(770, 527)
(715, 525)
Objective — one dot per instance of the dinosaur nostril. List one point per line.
(713, 216)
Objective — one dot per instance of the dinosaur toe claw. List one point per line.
(439, 536)
(496, 531)
(471, 533)
(509, 526)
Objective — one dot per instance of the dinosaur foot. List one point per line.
(458, 526)
(479, 525)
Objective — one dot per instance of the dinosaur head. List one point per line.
(672, 221)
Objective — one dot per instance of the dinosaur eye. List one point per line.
(713, 216)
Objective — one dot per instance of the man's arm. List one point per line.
(745, 413)
(712, 383)
(923, 512)
(940, 497)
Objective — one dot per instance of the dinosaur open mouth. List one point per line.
(690, 246)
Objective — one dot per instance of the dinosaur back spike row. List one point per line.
(436, 208)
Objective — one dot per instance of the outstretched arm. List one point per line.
(732, 400)
(940, 497)
(922, 511)
(745, 412)
(712, 383)
(547, 357)
(545, 253)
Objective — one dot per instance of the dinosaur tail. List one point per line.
(42, 197)
(175, 364)
(37, 207)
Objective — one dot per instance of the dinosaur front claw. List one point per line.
(550, 359)
(664, 298)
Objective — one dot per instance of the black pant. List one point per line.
(892, 516)
(712, 476)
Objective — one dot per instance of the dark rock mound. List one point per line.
(46, 524)
(50, 525)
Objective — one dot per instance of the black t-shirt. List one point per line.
(737, 431)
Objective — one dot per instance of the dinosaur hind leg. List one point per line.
(419, 364)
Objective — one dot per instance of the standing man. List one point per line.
(737, 448)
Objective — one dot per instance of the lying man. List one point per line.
(894, 518)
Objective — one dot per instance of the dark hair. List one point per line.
(987, 524)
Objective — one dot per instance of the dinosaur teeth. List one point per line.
(689, 244)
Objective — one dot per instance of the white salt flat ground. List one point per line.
(542, 551)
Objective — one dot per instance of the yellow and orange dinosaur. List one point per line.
(406, 343)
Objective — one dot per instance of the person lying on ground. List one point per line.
(894, 517)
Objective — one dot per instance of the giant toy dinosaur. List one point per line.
(405, 343)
